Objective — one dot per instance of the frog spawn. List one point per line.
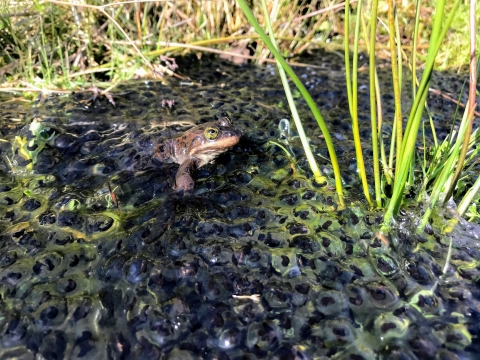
(259, 260)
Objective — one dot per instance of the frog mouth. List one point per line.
(222, 144)
(210, 151)
(226, 142)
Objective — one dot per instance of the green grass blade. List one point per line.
(346, 44)
(313, 107)
(354, 108)
(46, 70)
(414, 50)
(435, 42)
(392, 146)
(408, 146)
(301, 132)
(376, 112)
(396, 85)
(447, 171)
(470, 108)
(373, 78)
(468, 198)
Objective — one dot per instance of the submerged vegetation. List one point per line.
(58, 46)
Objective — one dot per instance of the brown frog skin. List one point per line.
(196, 147)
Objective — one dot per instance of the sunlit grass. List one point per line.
(56, 44)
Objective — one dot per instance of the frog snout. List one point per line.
(234, 134)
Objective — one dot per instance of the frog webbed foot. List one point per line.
(183, 180)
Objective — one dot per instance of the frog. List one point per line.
(197, 147)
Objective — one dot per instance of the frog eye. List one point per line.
(211, 133)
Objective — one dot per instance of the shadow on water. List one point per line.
(258, 260)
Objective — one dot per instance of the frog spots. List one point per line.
(16, 329)
(271, 240)
(263, 336)
(12, 278)
(5, 188)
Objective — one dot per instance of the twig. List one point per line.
(112, 195)
(13, 89)
(330, 8)
(223, 52)
(138, 2)
(21, 14)
(448, 97)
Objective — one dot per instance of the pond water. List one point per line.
(259, 262)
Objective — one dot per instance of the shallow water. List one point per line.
(257, 263)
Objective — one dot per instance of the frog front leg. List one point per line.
(183, 180)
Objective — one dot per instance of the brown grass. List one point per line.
(62, 44)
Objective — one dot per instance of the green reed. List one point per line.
(352, 93)
(407, 149)
(468, 198)
(455, 159)
(397, 83)
(450, 158)
(373, 103)
(303, 91)
(470, 108)
(291, 103)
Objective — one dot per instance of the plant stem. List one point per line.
(447, 170)
(467, 199)
(354, 108)
(471, 100)
(373, 106)
(414, 69)
(311, 104)
(288, 93)
(414, 50)
(408, 146)
(396, 84)
(352, 93)
(346, 35)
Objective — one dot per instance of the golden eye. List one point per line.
(211, 133)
